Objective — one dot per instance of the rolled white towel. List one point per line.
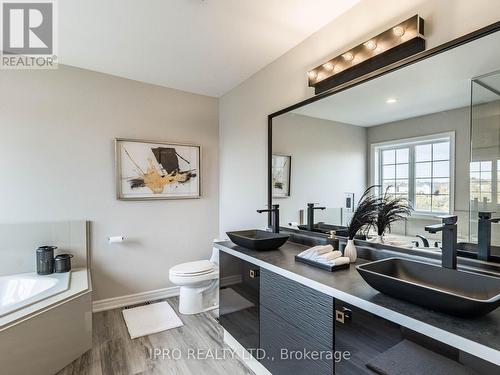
(315, 251)
(331, 255)
(340, 261)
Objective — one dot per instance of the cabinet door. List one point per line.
(303, 307)
(289, 350)
(363, 336)
(239, 299)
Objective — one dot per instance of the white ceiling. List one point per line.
(433, 85)
(201, 46)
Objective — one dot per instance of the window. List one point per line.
(420, 169)
(481, 181)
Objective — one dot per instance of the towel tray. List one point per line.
(321, 265)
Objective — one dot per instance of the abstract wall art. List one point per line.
(281, 175)
(157, 170)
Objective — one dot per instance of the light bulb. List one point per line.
(312, 74)
(328, 66)
(391, 100)
(337, 69)
(356, 60)
(348, 56)
(398, 31)
(320, 77)
(371, 45)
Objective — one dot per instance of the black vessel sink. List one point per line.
(451, 291)
(258, 239)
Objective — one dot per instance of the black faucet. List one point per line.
(310, 215)
(275, 218)
(484, 235)
(425, 241)
(449, 240)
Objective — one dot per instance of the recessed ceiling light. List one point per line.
(391, 100)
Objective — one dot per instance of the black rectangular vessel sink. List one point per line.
(451, 291)
(258, 239)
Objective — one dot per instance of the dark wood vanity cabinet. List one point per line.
(239, 295)
(296, 327)
(303, 331)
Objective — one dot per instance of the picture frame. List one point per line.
(157, 170)
(281, 175)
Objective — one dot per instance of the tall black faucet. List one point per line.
(310, 215)
(275, 218)
(449, 240)
(484, 235)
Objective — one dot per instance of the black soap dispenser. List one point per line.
(45, 260)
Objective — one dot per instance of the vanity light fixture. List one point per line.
(394, 44)
(398, 31)
(328, 66)
(370, 44)
(348, 56)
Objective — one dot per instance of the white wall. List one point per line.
(243, 111)
(57, 163)
(328, 159)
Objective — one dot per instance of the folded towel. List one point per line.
(331, 255)
(340, 261)
(315, 251)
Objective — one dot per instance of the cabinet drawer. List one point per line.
(300, 306)
(285, 345)
(364, 336)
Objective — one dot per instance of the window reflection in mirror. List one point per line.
(485, 153)
(412, 131)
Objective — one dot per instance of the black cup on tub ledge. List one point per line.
(45, 260)
(62, 263)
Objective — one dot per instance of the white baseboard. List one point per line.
(152, 295)
(134, 299)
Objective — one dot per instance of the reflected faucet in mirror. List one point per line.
(310, 215)
(449, 240)
(425, 241)
(484, 235)
(275, 216)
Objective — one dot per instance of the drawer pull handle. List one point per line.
(254, 273)
(339, 316)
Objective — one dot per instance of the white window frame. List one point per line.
(376, 166)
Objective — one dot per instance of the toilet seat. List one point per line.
(190, 269)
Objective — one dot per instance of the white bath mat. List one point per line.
(232, 301)
(148, 319)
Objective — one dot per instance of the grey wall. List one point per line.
(57, 163)
(328, 160)
(243, 111)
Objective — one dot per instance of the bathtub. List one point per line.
(24, 289)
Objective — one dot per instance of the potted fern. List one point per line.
(364, 217)
(390, 210)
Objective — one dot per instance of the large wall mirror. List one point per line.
(428, 131)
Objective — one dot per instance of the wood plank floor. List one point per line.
(113, 351)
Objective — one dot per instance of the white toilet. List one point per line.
(199, 284)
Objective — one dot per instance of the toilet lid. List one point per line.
(199, 267)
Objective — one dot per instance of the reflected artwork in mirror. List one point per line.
(427, 131)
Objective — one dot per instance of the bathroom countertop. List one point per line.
(477, 336)
(79, 284)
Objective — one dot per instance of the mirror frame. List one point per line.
(487, 30)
